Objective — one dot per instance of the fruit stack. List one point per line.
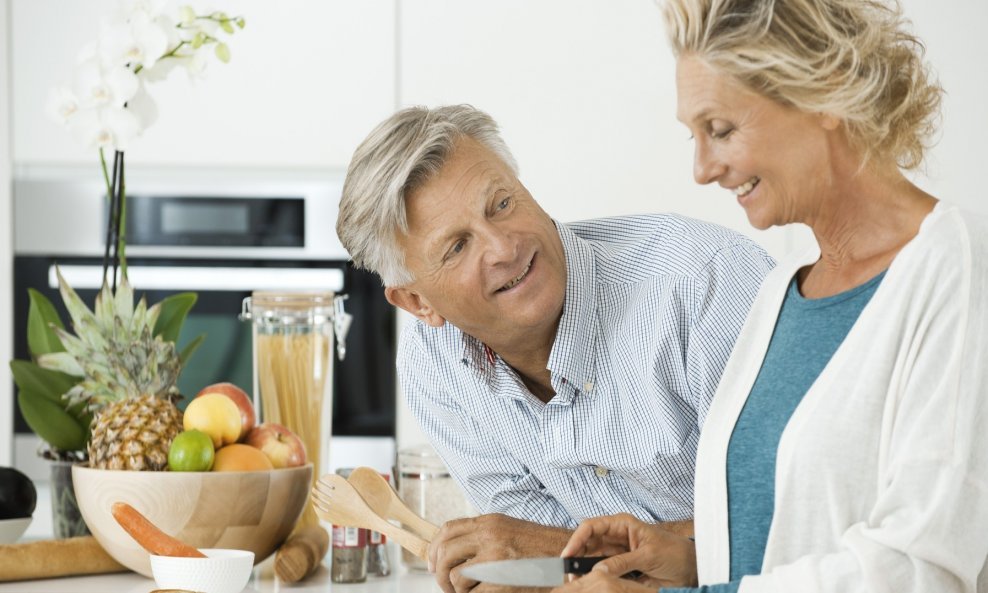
(220, 435)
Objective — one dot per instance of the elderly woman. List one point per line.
(846, 447)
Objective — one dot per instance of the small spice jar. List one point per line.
(349, 549)
(427, 487)
(378, 562)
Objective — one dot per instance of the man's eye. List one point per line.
(456, 248)
(721, 134)
(503, 203)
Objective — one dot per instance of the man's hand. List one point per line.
(485, 538)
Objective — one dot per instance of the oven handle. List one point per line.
(182, 278)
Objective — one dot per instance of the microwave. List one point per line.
(221, 238)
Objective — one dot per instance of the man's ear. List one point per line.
(411, 301)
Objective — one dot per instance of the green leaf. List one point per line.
(41, 316)
(53, 423)
(227, 26)
(51, 385)
(172, 312)
(241, 23)
(223, 52)
(190, 348)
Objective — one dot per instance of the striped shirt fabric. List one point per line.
(653, 305)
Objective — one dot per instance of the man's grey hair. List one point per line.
(401, 154)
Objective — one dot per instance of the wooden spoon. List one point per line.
(381, 497)
(337, 501)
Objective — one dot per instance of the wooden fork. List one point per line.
(337, 501)
(384, 501)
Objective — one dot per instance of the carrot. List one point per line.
(151, 538)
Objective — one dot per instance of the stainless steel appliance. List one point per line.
(221, 237)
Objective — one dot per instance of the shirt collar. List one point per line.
(573, 355)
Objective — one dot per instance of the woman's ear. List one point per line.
(414, 303)
(829, 121)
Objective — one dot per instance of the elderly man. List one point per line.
(562, 371)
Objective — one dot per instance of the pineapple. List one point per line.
(129, 377)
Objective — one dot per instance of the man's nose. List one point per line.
(706, 166)
(501, 245)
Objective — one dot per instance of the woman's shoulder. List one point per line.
(952, 233)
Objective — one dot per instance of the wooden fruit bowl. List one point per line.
(253, 511)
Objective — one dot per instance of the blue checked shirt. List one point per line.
(652, 308)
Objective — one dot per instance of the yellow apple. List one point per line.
(216, 415)
(247, 416)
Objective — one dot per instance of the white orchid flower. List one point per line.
(138, 42)
(98, 85)
(62, 104)
(111, 127)
(144, 108)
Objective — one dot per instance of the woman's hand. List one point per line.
(666, 559)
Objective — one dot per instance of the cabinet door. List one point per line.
(307, 80)
(585, 93)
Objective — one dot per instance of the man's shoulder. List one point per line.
(419, 342)
(630, 248)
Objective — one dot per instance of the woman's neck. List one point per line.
(861, 227)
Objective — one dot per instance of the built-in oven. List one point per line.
(223, 239)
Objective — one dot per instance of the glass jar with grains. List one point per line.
(427, 487)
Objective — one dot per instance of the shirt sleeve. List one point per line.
(724, 294)
(494, 480)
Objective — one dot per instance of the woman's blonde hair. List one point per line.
(854, 59)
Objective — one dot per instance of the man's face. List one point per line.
(484, 255)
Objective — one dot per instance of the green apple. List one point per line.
(191, 451)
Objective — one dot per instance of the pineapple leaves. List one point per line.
(173, 310)
(41, 320)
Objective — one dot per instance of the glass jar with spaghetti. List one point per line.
(294, 335)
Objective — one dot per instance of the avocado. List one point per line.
(17, 494)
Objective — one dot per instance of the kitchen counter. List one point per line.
(263, 581)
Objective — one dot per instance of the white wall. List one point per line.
(6, 249)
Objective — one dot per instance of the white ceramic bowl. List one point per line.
(222, 571)
(11, 530)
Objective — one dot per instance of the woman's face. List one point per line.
(777, 160)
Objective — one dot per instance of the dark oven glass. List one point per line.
(364, 382)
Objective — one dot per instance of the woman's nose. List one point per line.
(706, 166)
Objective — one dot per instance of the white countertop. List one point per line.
(401, 580)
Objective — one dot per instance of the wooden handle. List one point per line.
(301, 554)
(420, 526)
(55, 558)
(406, 539)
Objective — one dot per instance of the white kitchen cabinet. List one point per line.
(307, 80)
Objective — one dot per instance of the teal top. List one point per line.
(807, 333)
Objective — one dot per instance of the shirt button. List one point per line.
(588, 387)
(601, 471)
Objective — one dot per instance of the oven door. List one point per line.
(364, 382)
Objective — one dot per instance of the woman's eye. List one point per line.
(720, 132)
(503, 203)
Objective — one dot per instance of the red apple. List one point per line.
(247, 416)
(283, 447)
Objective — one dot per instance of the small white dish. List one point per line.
(221, 571)
(11, 530)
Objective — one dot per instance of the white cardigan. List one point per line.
(881, 482)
